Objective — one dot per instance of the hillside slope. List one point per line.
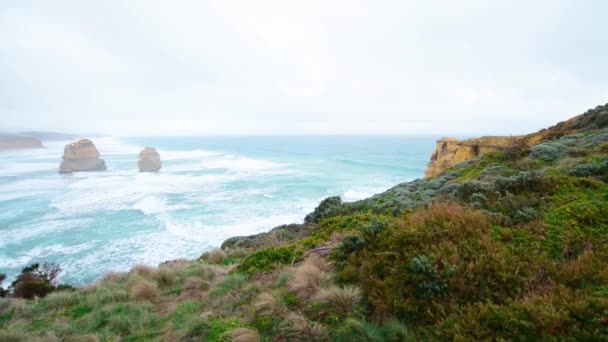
(511, 245)
(451, 152)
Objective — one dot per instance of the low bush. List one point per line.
(599, 168)
(549, 151)
(3, 292)
(327, 208)
(267, 259)
(36, 281)
(437, 257)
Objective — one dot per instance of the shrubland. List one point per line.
(510, 246)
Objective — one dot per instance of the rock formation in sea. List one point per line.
(13, 142)
(149, 160)
(81, 156)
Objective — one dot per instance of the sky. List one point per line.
(144, 67)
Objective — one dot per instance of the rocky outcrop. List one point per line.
(81, 156)
(10, 142)
(149, 160)
(450, 152)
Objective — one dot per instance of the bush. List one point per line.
(427, 279)
(425, 264)
(36, 281)
(549, 151)
(374, 227)
(327, 208)
(3, 292)
(350, 244)
(267, 259)
(590, 169)
(523, 181)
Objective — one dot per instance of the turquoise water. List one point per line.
(209, 189)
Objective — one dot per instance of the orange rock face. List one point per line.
(450, 152)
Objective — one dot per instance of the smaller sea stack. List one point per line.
(81, 156)
(149, 160)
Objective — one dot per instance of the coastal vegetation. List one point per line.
(510, 245)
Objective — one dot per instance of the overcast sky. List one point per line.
(300, 67)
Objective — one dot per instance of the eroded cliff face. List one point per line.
(450, 152)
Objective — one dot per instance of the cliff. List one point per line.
(511, 246)
(450, 152)
(12, 142)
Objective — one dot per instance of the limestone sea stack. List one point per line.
(149, 160)
(81, 156)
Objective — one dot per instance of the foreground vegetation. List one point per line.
(511, 246)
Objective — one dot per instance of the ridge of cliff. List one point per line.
(450, 152)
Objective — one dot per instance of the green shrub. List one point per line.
(427, 279)
(374, 227)
(267, 259)
(590, 169)
(327, 208)
(421, 267)
(350, 244)
(549, 151)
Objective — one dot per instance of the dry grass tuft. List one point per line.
(268, 304)
(194, 285)
(113, 277)
(16, 305)
(200, 270)
(304, 330)
(142, 270)
(343, 300)
(61, 299)
(216, 256)
(85, 338)
(308, 278)
(242, 335)
(164, 275)
(144, 290)
(236, 252)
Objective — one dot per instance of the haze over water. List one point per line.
(209, 189)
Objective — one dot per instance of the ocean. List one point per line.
(209, 189)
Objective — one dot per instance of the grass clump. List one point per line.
(144, 290)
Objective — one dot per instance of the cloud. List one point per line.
(314, 67)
